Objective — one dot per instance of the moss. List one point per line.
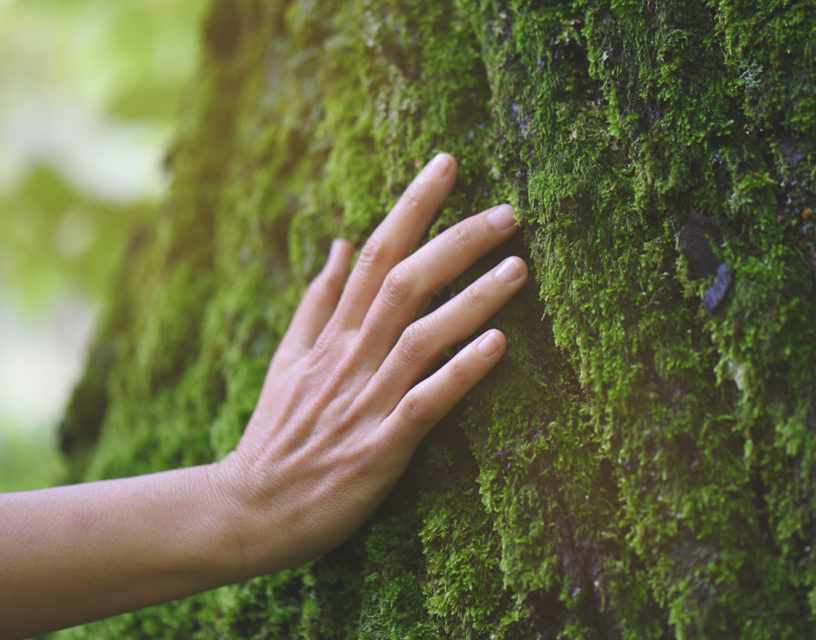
(635, 467)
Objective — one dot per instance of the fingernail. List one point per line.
(501, 217)
(508, 271)
(439, 166)
(489, 344)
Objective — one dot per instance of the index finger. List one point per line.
(396, 237)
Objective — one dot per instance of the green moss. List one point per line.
(635, 467)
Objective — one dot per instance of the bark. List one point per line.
(643, 462)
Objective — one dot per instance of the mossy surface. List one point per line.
(636, 467)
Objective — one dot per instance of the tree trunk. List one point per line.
(642, 463)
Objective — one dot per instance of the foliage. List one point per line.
(90, 92)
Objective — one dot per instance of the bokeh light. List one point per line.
(89, 93)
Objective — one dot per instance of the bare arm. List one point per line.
(83, 552)
(342, 409)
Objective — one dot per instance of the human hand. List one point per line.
(344, 403)
(342, 409)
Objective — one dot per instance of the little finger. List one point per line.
(427, 403)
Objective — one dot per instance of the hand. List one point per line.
(342, 410)
(344, 403)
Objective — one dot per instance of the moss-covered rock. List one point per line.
(637, 466)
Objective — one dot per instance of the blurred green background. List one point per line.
(89, 92)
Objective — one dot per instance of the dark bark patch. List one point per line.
(694, 239)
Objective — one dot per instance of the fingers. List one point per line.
(319, 301)
(409, 284)
(423, 341)
(426, 404)
(396, 236)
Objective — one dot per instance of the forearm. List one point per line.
(79, 553)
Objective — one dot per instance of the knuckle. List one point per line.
(459, 373)
(398, 287)
(373, 253)
(413, 345)
(474, 298)
(416, 409)
(412, 196)
(461, 235)
(328, 348)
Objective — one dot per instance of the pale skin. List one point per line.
(345, 402)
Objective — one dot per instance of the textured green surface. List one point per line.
(635, 467)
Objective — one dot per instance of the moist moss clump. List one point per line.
(637, 466)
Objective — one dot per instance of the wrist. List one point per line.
(250, 535)
(263, 528)
(233, 523)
